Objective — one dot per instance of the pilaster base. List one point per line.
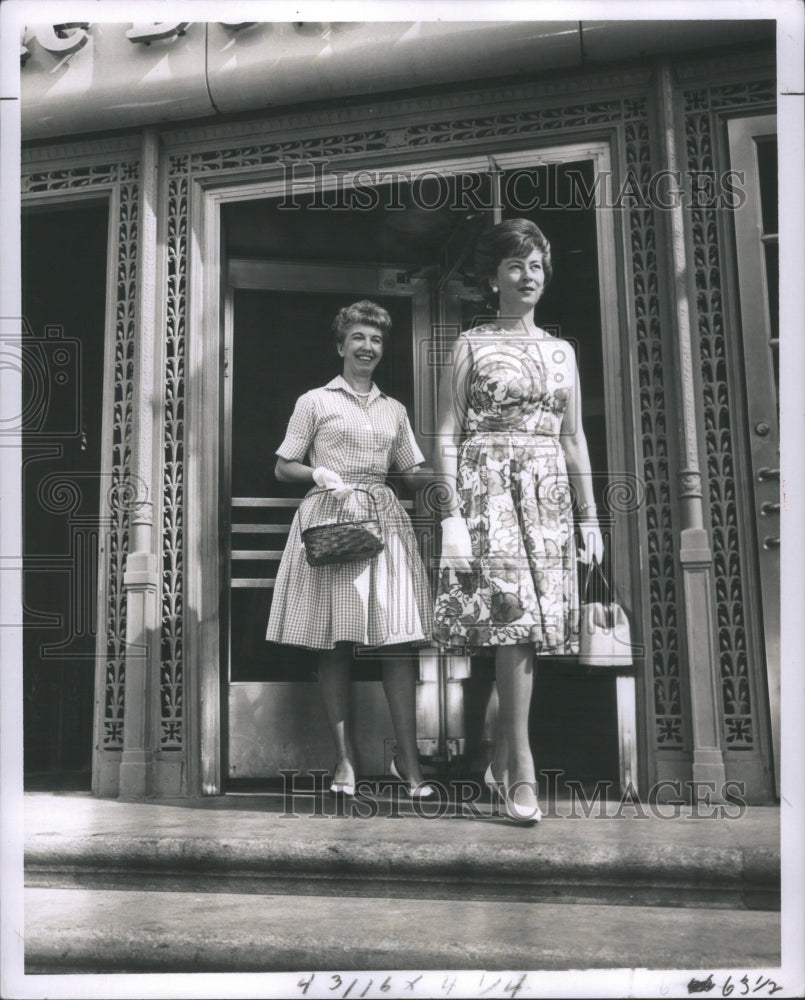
(169, 778)
(136, 775)
(708, 770)
(106, 779)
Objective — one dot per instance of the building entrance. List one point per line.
(291, 262)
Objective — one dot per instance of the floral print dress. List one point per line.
(514, 495)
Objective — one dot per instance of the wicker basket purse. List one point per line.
(342, 540)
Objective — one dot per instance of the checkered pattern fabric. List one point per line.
(374, 602)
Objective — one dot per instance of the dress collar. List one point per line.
(339, 382)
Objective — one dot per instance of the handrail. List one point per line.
(254, 555)
(260, 529)
(257, 554)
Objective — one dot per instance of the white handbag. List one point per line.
(605, 638)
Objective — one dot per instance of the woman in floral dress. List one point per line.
(344, 435)
(510, 439)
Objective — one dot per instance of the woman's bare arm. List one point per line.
(292, 472)
(577, 459)
(574, 445)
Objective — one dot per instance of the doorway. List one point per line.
(278, 345)
(289, 265)
(64, 310)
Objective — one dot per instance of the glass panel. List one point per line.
(283, 347)
(767, 171)
(407, 224)
(767, 178)
(772, 256)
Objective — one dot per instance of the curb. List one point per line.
(744, 878)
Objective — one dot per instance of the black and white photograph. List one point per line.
(402, 490)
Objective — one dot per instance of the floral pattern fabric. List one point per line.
(514, 495)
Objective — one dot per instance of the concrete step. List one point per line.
(256, 846)
(113, 931)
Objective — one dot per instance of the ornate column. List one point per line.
(695, 554)
(141, 577)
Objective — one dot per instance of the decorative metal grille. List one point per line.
(121, 498)
(171, 672)
(701, 107)
(662, 581)
(498, 126)
(69, 180)
(264, 154)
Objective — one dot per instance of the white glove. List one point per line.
(456, 545)
(592, 541)
(330, 480)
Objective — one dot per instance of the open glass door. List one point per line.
(753, 152)
(279, 345)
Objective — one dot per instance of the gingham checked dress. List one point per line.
(380, 601)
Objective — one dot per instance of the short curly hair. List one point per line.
(512, 238)
(364, 311)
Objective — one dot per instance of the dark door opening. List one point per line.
(64, 305)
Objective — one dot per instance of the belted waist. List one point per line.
(364, 480)
(510, 432)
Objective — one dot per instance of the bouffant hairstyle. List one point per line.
(512, 238)
(361, 312)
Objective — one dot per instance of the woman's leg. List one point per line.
(399, 683)
(334, 681)
(514, 674)
(500, 757)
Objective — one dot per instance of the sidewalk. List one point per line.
(245, 883)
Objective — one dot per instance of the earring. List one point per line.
(494, 288)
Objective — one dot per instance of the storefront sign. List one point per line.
(85, 77)
(60, 39)
(82, 77)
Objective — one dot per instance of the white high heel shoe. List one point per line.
(413, 791)
(343, 787)
(527, 815)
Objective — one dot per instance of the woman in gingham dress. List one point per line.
(346, 434)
